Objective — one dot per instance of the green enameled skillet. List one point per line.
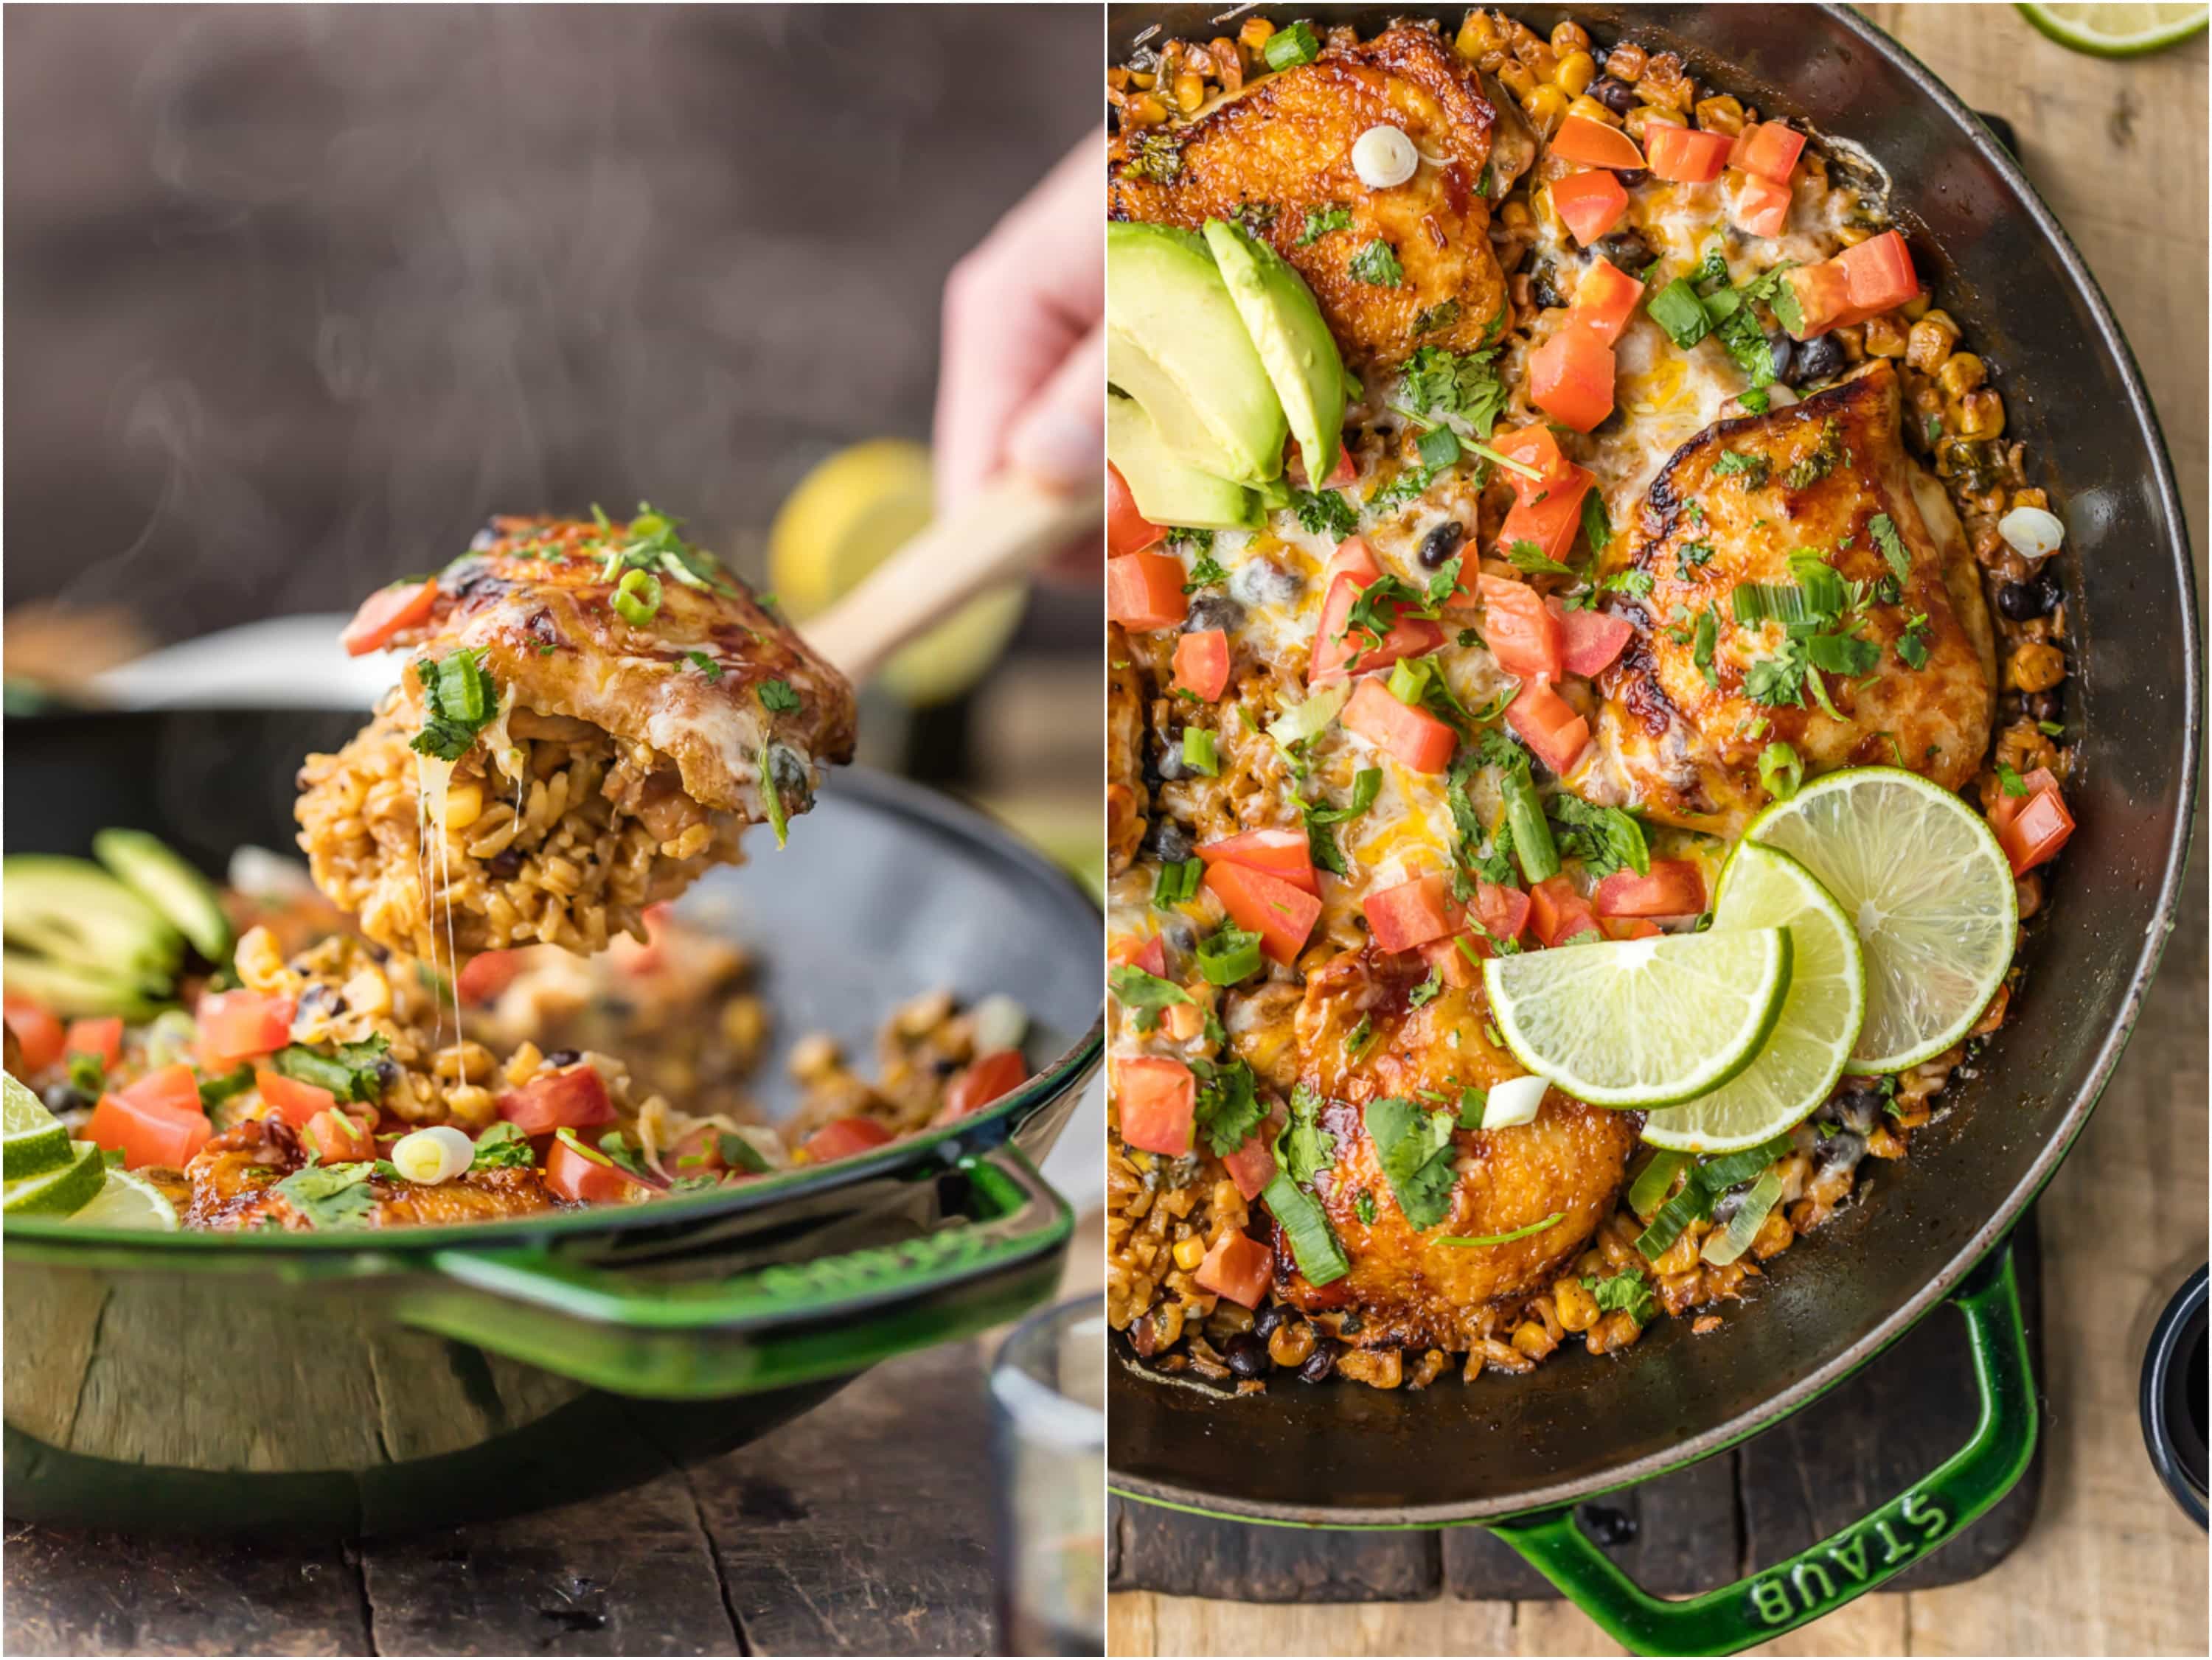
(1518, 1453)
(348, 1383)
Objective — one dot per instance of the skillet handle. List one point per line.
(764, 1328)
(1822, 1579)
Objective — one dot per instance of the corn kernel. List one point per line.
(1885, 335)
(464, 806)
(1547, 107)
(1931, 342)
(1569, 38)
(1145, 110)
(1189, 90)
(1722, 114)
(1258, 30)
(1626, 63)
(1981, 414)
(2034, 667)
(1514, 77)
(1590, 109)
(1477, 35)
(1576, 71)
(1962, 371)
(1190, 1253)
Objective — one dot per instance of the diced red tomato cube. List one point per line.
(1760, 207)
(1503, 910)
(1767, 150)
(1823, 293)
(292, 1099)
(1127, 530)
(342, 1137)
(1201, 664)
(1282, 915)
(1605, 298)
(1284, 853)
(2034, 826)
(841, 1138)
(1548, 522)
(1548, 725)
(1238, 1268)
(1149, 953)
(983, 1081)
(1157, 1098)
(1452, 964)
(1251, 1165)
(574, 1098)
(1687, 154)
(1675, 888)
(1535, 447)
(1522, 632)
(585, 1176)
(387, 612)
(1346, 470)
(1410, 914)
(147, 1135)
(1590, 640)
(1143, 592)
(39, 1032)
(1414, 735)
(165, 1089)
(488, 973)
(1570, 377)
(1591, 203)
(1629, 928)
(237, 1026)
(1595, 144)
(102, 1038)
(1879, 273)
(1337, 651)
(1558, 913)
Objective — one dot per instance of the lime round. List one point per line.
(1928, 890)
(58, 1192)
(32, 1139)
(2117, 30)
(129, 1201)
(1821, 1016)
(1642, 1022)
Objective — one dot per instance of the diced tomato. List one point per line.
(386, 612)
(1504, 910)
(1591, 203)
(1337, 652)
(1550, 522)
(1595, 144)
(237, 1026)
(342, 1137)
(1675, 887)
(1127, 530)
(1535, 447)
(585, 1176)
(1414, 735)
(2032, 827)
(1522, 632)
(1143, 592)
(1590, 640)
(1157, 1100)
(983, 1080)
(574, 1098)
(1453, 966)
(102, 1038)
(38, 1032)
(1284, 853)
(1760, 206)
(841, 1138)
(291, 1099)
(1201, 664)
(698, 1152)
(1280, 914)
(1879, 273)
(1685, 155)
(1629, 928)
(1238, 1268)
(1823, 292)
(1559, 913)
(165, 1089)
(1570, 377)
(1251, 1166)
(147, 1135)
(1548, 725)
(1148, 954)
(1410, 914)
(1767, 150)
(1607, 298)
(1346, 470)
(488, 973)
(1352, 558)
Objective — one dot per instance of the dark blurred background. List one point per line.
(296, 295)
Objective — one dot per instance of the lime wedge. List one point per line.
(34, 1140)
(129, 1201)
(2117, 30)
(1806, 1052)
(1642, 1022)
(58, 1192)
(1928, 890)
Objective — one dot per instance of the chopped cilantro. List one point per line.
(1415, 1149)
(776, 696)
(1228, 1105)
(503, 1147)
(334, 1195)
(1311, 1148)
(1893, 547)
(459, 698)
(1155, 155)
(1146, 994)
(1362, 1206)
(1605, 838)
(1738, 463)
(1321, 221)
(1628, 1292)
(1436, 319)
(705, 664)
(1597, 523)
(1377, 265)
(1436, 381)
(1324, 512)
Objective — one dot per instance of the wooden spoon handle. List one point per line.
(997, 536)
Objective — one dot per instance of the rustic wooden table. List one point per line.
(2109, 1566)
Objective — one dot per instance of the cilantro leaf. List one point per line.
(503, 1147)
(1415, 1149)
(1377, 265)
(1324, 512)
(1228, 1106)
(1306, 1149)
(1436, 381)
(1147, 994)
(1605, 838)
(777, 697)
(333, 1195)
(1321, 221)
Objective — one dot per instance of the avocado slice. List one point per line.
(162, 877)
(72, 910)
(1169, 490)
(1295, 345)
(1175, 344)
(79, 993)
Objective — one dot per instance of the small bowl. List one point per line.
(2173, 1397)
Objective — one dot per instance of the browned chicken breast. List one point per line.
(1282, 151)
(1407, 1288)
(1713, 675)
(231, 1183)
(590, 716)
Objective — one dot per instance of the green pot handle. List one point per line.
(1821, 1579)
(633, 1332)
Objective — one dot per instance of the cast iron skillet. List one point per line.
(1933, 1227)
(352, 1383)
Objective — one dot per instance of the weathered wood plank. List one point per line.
(1184, 1555)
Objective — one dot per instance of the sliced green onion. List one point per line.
(1229, 956)
(1198, 752)
(1513, 1102)
(1650, 1189)
(1532, 834)
(1734, 1169)
(1724, 1247)
(771, 799)
(1780, 771)
(1552, 1220)
(1285, 49)
(1764, 602)
(1301, 722)
(638, 598)
(1313, 1246)
(1692, 1204)
(1177, 882)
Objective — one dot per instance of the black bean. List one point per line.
(506, 864)
(1321, 1363)
(387, 1072)
(2047, 705)
(1247, 1355)
(945, 1066)
(1544, 287)
(563, 1058)
(1608, 1526)
(1269, 1317)
(1263, 582)
(2047, 585)
(1856, 1108)
(1442, 542)
(1171, 763)
(1212, 611)
(2020, 602)
(1779, 344)
(1616, 94)
(65, 1098)
(1172, 840)
(1629, 177)
(1841, 1149)
(1626, 249)
(1816, 359)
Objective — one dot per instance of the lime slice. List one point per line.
(2118, 31)
(58, 1192)
(1929, 891)
(847, 516)
(1805, 1054)
(33, 1140)
(1642, 1022)
(129, 1201)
